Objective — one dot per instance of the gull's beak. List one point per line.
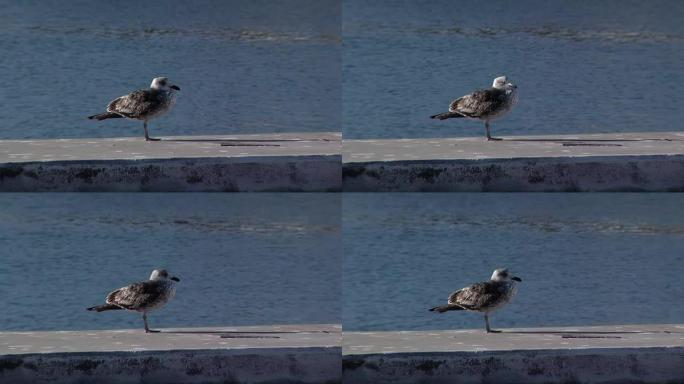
(516, 278)
(175, 87)
(175, 278)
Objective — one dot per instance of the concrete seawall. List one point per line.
(258, 354)
(606, 354)
(308, 162)
(592, 162)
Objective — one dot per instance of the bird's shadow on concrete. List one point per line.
(243, 142)
(230, 142)
(573, 332)
(242, 334)
(584, 334)
(587, 141)
(231, 334)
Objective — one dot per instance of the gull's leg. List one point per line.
(147, 329)
(147, 136)
(489, 136)
(489, 330)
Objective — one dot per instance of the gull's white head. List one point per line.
(502, 82)
(502, 274)
(162, 274)
(163, 84)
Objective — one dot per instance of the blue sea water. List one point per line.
(581, 66)
(585, 259)
(243, 259)
(243, 66)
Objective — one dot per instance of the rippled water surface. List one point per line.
(581, 66)
(584, 259)
(242, 259)
(243, 66)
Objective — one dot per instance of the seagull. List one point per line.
(143, 104)
(143, 296)
(486, 296)
(484, 104)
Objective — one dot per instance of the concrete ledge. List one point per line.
(249, 163)
(609, 354)
(275, 354)
(596, 162)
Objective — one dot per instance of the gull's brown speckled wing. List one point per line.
(479, 103)
(477, 296)
(135, 105)
(138, 295)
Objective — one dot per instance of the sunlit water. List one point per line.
(584, 259)
(580, 67)
(242, 259)
(243, 66)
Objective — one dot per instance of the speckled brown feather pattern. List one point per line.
(141, 104)
(482, 296)
(481, 103)
(143, 295)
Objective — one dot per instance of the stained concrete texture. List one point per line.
(134, 148)
(475, 148)
(255, 354)
(275, 336)
(250, 163)
(475, 340)
(591, 162)
(601, 354)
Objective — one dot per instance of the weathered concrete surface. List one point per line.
(258, 354)
(252, 163)
(591, 162)
(605, 354)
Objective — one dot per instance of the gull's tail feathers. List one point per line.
(446, 115)
(445, 308)
(106, 115)
(104, 307)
